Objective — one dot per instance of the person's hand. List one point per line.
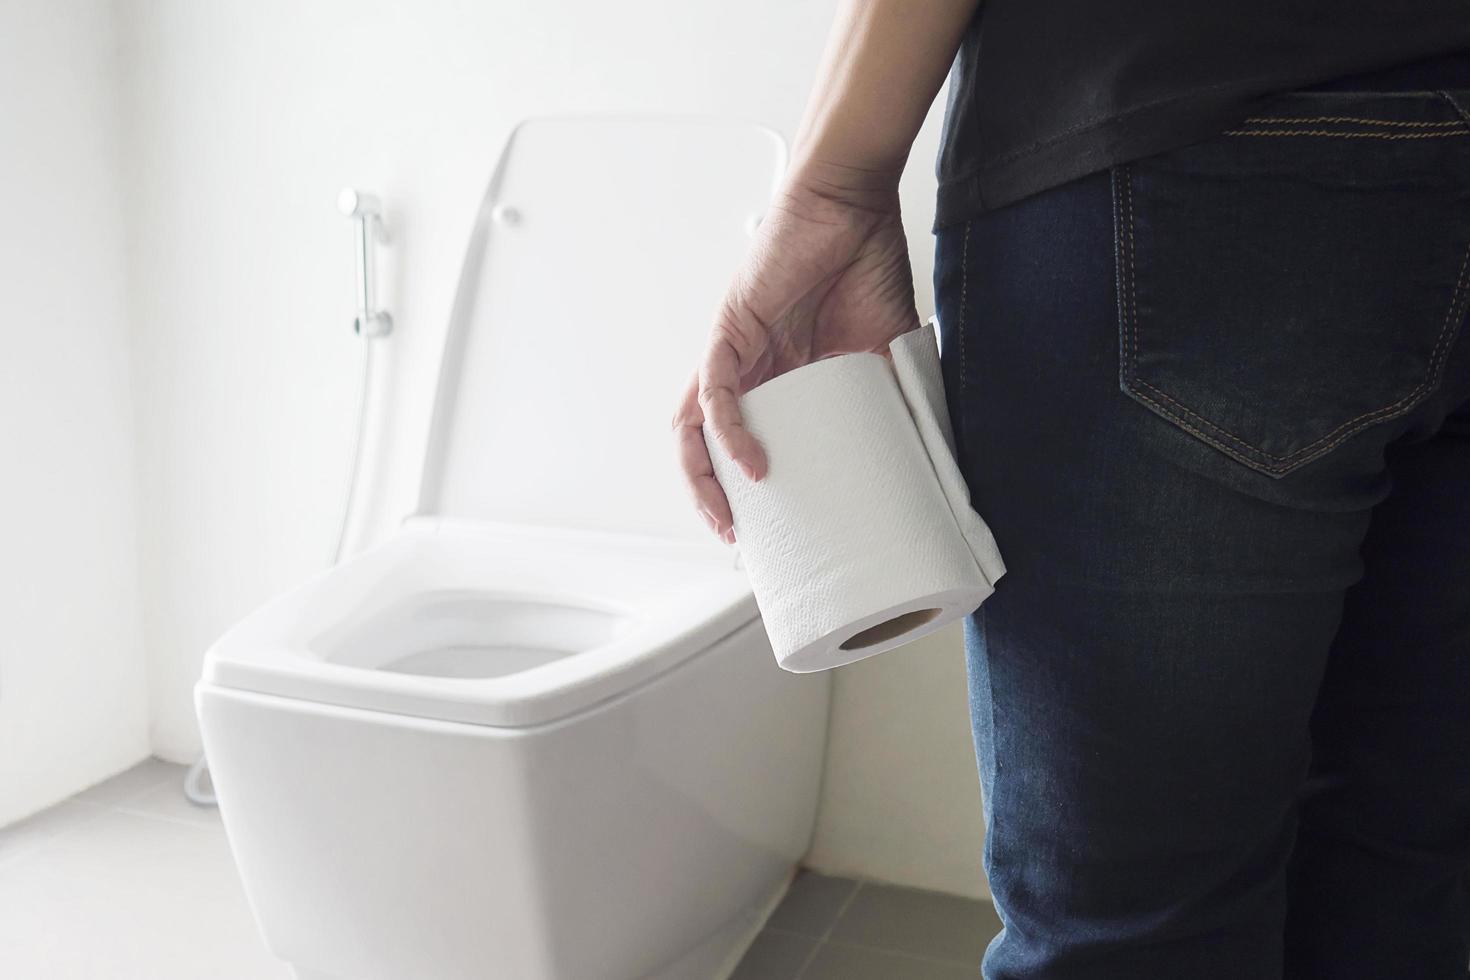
(828, 273)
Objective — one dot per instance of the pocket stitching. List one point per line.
(1445, 127)
(1449, 123)
(1331, 133)
(964, 304)
(1280, 463)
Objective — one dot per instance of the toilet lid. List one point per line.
(600, 253)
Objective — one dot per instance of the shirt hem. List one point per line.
(1129, 134)
(1138, 134)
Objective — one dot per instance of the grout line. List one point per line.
(165, 818)
(92, 811)
(817, 946)
(842, 911)
(164, 778)
(47, 840)
(906, 954)
(84, 817)
(810, 957)
(142, 792)
(826, 939)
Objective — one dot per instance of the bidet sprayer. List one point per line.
(366, 212)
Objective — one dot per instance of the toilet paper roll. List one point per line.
(860, 538)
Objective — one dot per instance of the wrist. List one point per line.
(867, 188)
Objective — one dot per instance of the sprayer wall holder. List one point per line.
(367, 214)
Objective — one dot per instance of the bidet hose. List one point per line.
(198, 789)
(359, 433)
(195, 789)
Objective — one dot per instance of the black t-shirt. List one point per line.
(1044, 91)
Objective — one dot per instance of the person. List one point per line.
(1201, 277)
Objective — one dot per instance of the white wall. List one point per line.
(247, 118)
(73, 703)
(901, 794)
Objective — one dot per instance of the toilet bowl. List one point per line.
(539, 732)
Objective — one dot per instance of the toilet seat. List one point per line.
(491, 624)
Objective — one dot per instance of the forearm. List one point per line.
(884, 62)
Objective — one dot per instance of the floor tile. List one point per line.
(126, 785)
(167, 800)
(130, 898)
(128, 881)
(941, 927)
(32, 832)
(812, 904)
(839, 962)
(775, 956)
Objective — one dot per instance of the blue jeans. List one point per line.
(1215, 405)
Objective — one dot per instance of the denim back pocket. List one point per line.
(1298, 277)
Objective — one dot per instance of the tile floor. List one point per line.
(839, 929)
(128, 881)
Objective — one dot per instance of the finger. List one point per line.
(721, 406)
(695, 464)
(709, 496)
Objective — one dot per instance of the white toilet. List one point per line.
(539, 734)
